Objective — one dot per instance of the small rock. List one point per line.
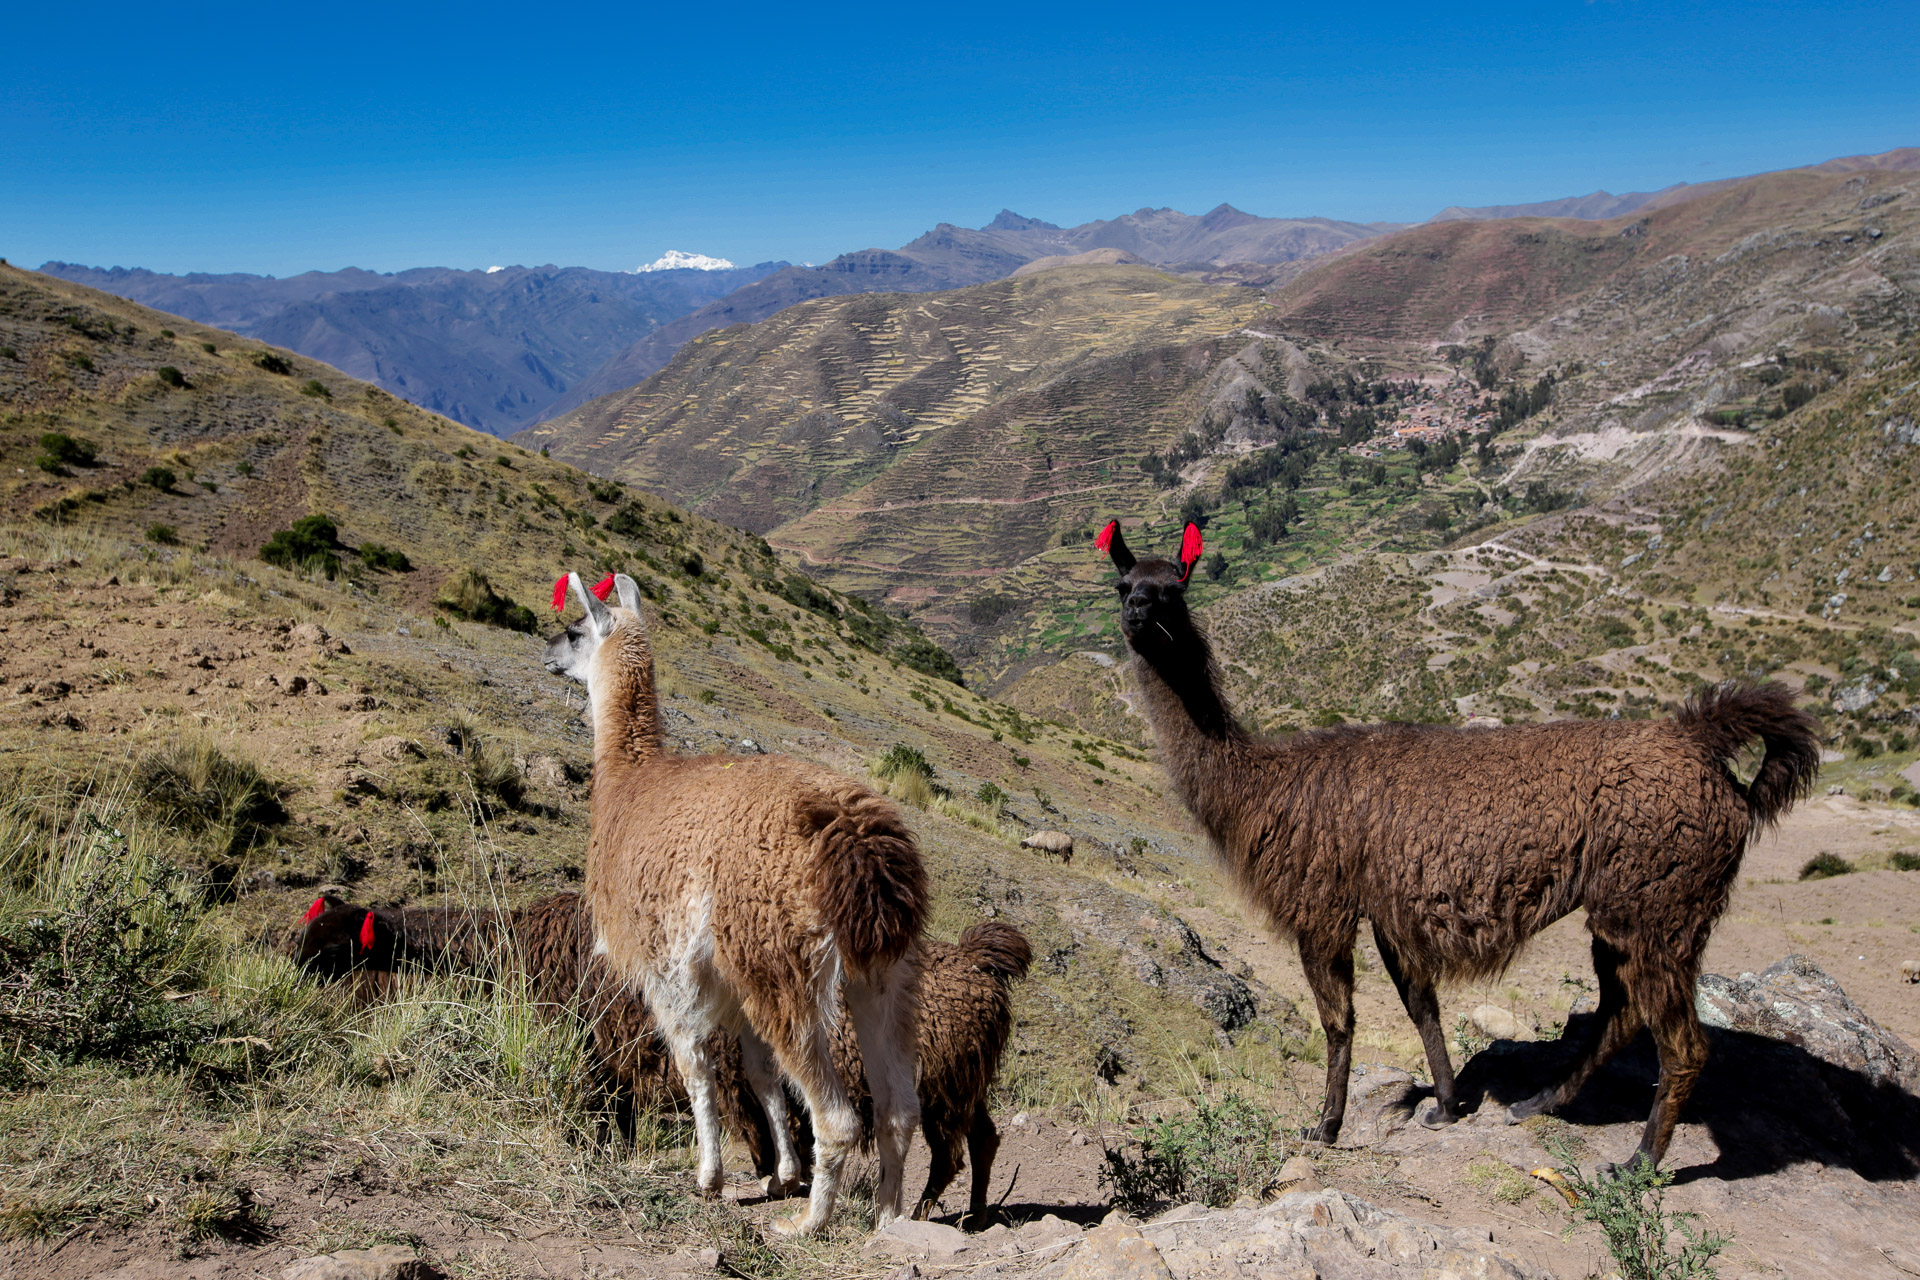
(1115, 1250)
(551, 772)
(905, 1271)
(382, 1262)
(1496, 1023)
(308, 633)
(392, 748)
(1020, 1120)
(295, 687)
(709, 1257)
(52, 689)
(1297, 1174)
(908, 1237)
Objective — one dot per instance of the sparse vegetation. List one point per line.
(376, 556)
(1211, 1156)
(170, 375)
(197, 788)
(164, 535)
(272, 363)
(58, 451)
(161, 478)
(1647, 1240)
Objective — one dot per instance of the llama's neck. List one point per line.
(1201, 744)
(626, 709)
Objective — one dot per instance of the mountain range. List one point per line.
(489, 349)
(508, 347)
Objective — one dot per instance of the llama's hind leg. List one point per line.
(756, 1062)
(983, 1143)
(1329, 969)
(1665, 994)
(943, 1155)
(1423, 1006)
(1614, 1025)
(883, 1017)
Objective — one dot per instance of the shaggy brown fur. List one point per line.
(740, 892)
(1460, 844)
(549, 943)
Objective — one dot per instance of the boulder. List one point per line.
(1795, 1001)
(1496, 1023)
(392, 748)
(911, 1238)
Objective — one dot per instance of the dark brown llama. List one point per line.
(966, 1018)
(549, 943)
(1460, 844)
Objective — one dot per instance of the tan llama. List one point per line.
(753, 894)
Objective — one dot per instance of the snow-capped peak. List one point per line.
(675, 260)
(491, 270)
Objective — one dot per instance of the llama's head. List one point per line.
(337, 937)
(571, 652)
(1153, 593)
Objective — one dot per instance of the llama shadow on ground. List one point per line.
(1767, 1104)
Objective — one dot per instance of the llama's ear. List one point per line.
(1191, 547)
(629, 592)
(1111, 541)
(599, 617)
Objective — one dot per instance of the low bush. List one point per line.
(316, 388)
(376, 556)
(311, 544)
(1903, 860)
(1212, 1156)
(58, 449)
(1824, 865)
(161, 478)
(164, 535)
(195, 787)
(469, 595)
(928, 658)
(272, 363)
(170, 375)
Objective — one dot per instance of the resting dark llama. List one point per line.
(1460, 844)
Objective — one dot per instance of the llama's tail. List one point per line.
(1726, 717)
(868, 882)
(997, 948)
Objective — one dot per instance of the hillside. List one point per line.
(490, 349)
(950, 257)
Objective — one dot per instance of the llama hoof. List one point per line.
(1527, 1108)
(796, 1225)
(1438, 1117)
(1325, 1132)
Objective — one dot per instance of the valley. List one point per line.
(1479, 470)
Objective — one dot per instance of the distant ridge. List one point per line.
(1596, 207)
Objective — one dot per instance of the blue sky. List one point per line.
(282, 138)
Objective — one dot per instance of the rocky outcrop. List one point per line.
(1795, 1001)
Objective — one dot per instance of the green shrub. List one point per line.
(928, 658)
(1211, 1156)
(80, 360)
(1647, 1241)
(272, 363)
(317, 388)
(163, 534)
(1903, 860)
(608, 491)
(469, 595)
(209, 348)
(170, 375)
(61, 449)
(167, 334)
(161, 478)
(992, 796)
(902, 759)
(1825, 865)
(1795, 394)
(312, 544)
(376, 556)
(8, 353)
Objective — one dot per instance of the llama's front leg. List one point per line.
(1616, 1024)
(756, 1060)
(695, 1063)
(883, 1019)
(836, 1124)
(1329, 970)
(1423, 1006)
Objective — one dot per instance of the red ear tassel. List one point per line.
(560, 595)
(1190, 547)
(603, 588)
(366, 933)
(1104, 539)
(319, 905)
